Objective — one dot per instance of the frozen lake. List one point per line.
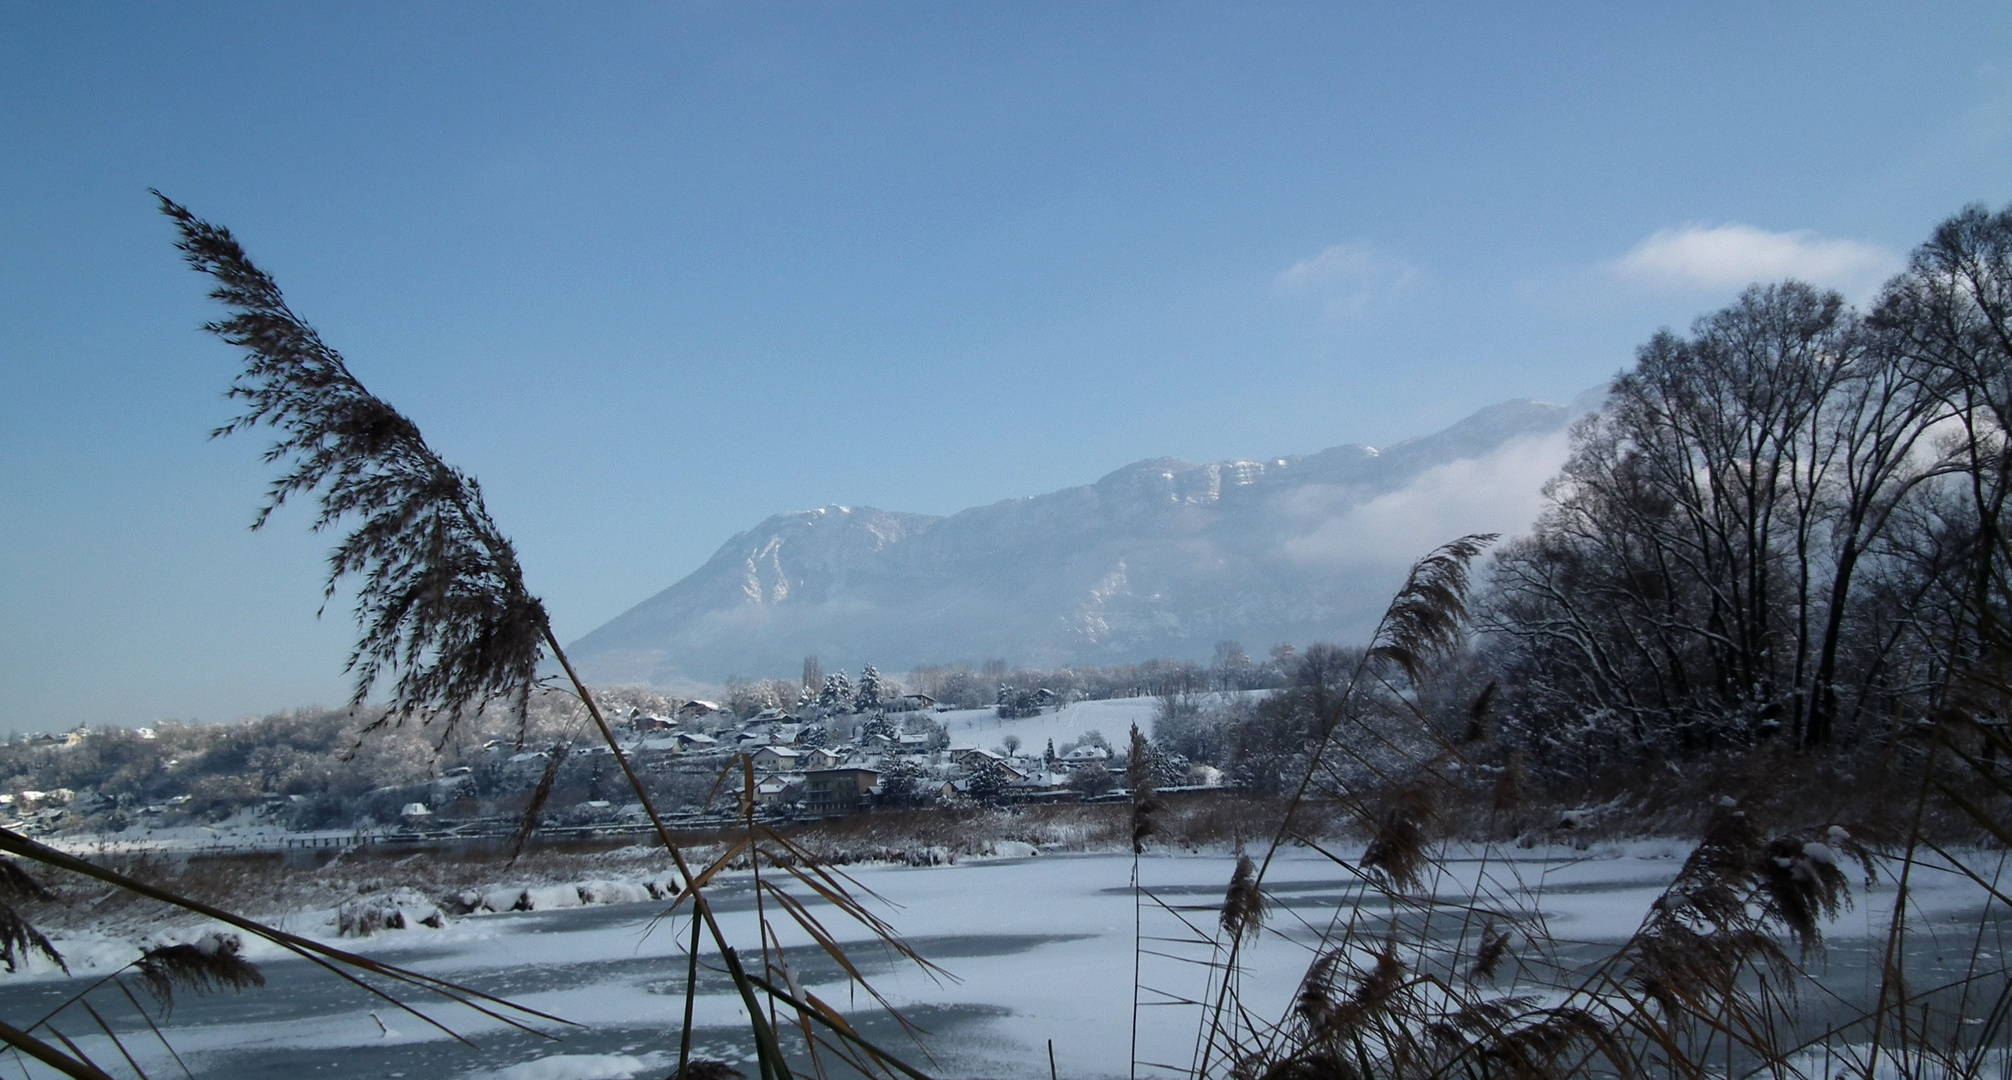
(1041, 948)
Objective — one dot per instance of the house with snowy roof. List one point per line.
(779, 788)
(823, 758)
(970, 756)
(691, 742)
(1041, 780)
(987, 759)
(776, 758)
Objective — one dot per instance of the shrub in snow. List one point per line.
(552, 896)
(613, 892)
(504, 898)
(664, 886)
(399, 909)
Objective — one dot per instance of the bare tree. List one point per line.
(1697, 575)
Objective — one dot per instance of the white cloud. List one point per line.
(1699, 257)
(1502, 491)
(1347, 278)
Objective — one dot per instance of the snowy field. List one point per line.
(1040, 947)
(1111, 718)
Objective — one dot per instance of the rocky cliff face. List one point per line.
(1160, 558)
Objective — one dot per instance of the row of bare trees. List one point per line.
(1787, 523)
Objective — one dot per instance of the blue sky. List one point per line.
(654, 272)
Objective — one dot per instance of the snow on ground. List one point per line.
(1040, 948)
(1112, 718)
(583, 1067)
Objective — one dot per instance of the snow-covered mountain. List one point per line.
(1160, 558)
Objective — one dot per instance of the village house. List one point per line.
(970, 757)
(775, 759)
(822, 758)
(972, 760)
(698, 710)
(837, 792)
(1041, 781)
(780, 788)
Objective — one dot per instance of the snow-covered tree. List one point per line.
(923, 724)
(1092, 780)
(903, 783)
(878, 726)
(867, 697)
(1014, 704)
(988, 781)
(836, 696)
(1092, 737)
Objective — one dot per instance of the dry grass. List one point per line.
(1432, 967)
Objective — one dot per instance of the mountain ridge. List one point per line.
(1161, 557)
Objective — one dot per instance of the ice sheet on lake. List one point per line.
(1041, 948)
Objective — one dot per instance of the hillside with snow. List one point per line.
(1161, 558)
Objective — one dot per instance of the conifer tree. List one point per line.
(866, 697)
(836, 696)
(988, 781)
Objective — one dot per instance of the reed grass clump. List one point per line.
(1439, 960)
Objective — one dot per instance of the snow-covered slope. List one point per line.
(1112, 718)
(1160, 558)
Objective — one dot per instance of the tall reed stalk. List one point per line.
(444, 616)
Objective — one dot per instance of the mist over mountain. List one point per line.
(1162, 558)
